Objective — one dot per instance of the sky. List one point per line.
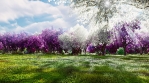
(33, 16)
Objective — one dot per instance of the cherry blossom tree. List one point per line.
(123, 33)
(34, 43)
(21, 41)
(12, 42)
(50, 40)
(143, 42)
(91, 48)
(65, 41)
(112, 47)
(1, 46)
(74, 39)
(7, 42)
(101, 39)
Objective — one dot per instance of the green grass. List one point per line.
(74, 69)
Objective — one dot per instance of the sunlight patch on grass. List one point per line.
(75, 69)
(48, 70)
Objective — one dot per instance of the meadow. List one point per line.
(44, 68)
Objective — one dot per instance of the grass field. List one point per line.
(74, 69)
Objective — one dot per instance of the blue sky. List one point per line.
(33, 16)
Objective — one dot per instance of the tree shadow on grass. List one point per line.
(105, 74)
(53, 76)
(145, 66)
(67, 74)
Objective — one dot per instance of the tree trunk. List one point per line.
(80, 51)
(103, 49)
(124, 50)
(85, 51)
(145, 50)
(141, 50)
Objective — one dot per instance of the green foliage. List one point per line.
(1, 51)
(107, 52)
(25, 50)
(120, 51)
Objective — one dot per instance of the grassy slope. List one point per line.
(74, 69)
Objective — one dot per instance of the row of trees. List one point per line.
(78, 40)
(124, 35)
(47, 41)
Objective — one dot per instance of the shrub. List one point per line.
(120, 51)
(1, 51)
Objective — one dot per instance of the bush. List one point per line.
(120, 51)
(1, 51)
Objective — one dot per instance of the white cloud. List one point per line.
(38, 27)
(2, 30)
(13, 9)
(68, 14)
